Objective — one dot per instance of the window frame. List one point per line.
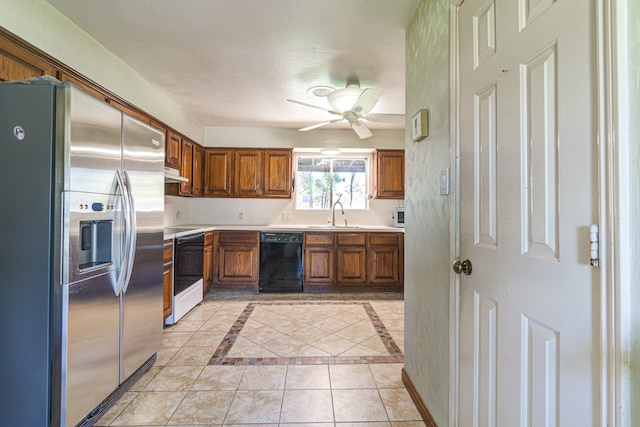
(366, 156)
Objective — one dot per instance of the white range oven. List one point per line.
(188, 267)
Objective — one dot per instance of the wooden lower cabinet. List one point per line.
(341, 261)
(385, 259)
(236, 260)
(351, 262)
(207, 262)
(167, 278)
(318, 261)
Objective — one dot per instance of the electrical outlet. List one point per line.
(179, 215)
(286, 216)
(240, 215)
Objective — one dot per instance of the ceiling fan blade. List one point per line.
(385, 118)
(366, 101)
(313, 106)
(317, 125)
(361, 129)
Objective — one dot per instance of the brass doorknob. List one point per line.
(462, 267)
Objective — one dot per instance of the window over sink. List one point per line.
(321, 181)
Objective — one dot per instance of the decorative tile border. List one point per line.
(220, 355)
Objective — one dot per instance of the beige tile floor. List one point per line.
(277, 360)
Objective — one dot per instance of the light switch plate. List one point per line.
(444, 182)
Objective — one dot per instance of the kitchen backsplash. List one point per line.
(183, 210)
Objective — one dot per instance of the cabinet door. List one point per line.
(390, 174)
(186, 168)
(197, 172)
(217, 172)
(277, 173)
(207, 266)
(351, 258)
(247, 173)
(172, 150)
(237, 264)
(18, 64)
(384, 264)
(236, 258)
(319, 265)
(352, 265)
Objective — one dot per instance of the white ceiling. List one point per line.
(235, 62)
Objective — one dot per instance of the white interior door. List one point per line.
(529, 347)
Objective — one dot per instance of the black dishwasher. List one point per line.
(281, 262)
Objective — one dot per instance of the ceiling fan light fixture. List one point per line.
(342, 100)
(320, 91)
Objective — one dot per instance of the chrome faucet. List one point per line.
(333, 213)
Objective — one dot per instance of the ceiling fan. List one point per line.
(354, 105)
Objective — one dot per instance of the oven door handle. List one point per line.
(190, 238)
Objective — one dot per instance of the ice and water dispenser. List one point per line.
(95, 244)
(90, 242)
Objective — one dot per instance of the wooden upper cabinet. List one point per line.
(197, 175)
(277, 173)
(16, 63)
(172, 150)
(389, 174)
(217, 172)
(186, 167)
(247, 173)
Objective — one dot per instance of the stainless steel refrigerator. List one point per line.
(81, 226)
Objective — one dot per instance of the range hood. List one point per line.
(173, 175)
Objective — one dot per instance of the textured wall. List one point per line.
(427, 235)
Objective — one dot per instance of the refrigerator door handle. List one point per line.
(132, 231)
(124, 259)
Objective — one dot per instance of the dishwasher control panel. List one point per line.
(281, 237)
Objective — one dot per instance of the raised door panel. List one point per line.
(186, 168)
(319, 265)
(217, 172)
(237, 264)
(207, 266)
(197, 172)
(384, 264)
(167, 281)
(247, 173)
(390, 174)
(16, 63)
(172, 150)
(277, 173)
(351, 265)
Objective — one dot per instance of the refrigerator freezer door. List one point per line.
(143, 165)
(94, 149)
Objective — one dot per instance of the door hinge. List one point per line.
(594, 242)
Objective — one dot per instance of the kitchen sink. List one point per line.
(335, 227)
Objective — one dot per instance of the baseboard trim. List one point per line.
(417, 400)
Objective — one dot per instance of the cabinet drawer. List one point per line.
(384, 239)
(238, 237)
(352, 239)
(168, 250)
(318, 238)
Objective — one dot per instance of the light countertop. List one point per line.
(186, 229)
